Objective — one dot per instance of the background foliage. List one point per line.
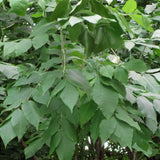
(79, 79)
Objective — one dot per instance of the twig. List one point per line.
(63, 51)
(140, 57)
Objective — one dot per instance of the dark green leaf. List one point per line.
(87, 111)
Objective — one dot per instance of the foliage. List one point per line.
(76, 74)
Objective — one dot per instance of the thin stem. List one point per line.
(140, 57)
(63, 51)
(134, 155)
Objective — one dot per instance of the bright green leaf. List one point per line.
(130, 6)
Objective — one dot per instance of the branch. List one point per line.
(63, 51)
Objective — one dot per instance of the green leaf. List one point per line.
(41, 98)
(75, 32)
(31, 113)
(115, 84)
(33, 148)
(150, 8)
(156, 105)
(23, 46)
(129, 45)
(121, 74)
(106, 128)
(87, 40)
(136, 65)
(65, 149)
(9, 48)
(106, 98)
(151, 124)
(92, 19)
(19, 6)
(49, 79)
(10, 71)
(152, 85)
(124, 116)
(62, 9)
(69, 96)
(74, 20)
(19, 123)
(79, 6)
(77, 78)
(53, 127)
(146, 107)
(87, 111)
(141, 142)
(112, 30)
(157, 76)
(17, 95)
(143, 21)
(156, 34)
(57, 89)
(100, 9)
(130, 6)
(94, 127)
(123, 134)
(55, 141)
(107, 71)
(7, 133)
(40, 40)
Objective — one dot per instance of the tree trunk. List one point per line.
(99, 150)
